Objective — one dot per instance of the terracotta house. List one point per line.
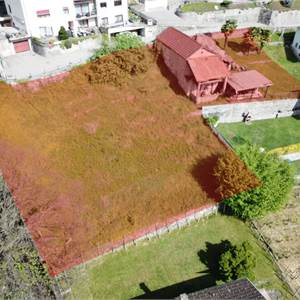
(204, 71)
(201, 73)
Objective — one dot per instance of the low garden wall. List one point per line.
(260, 110)
(44, 49)
(272, 19)
(212, 18)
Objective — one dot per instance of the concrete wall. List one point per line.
(6, 48)
(220, 16)
(274, 20)
(154, 4)
(281, 19)
(44, 50)
(260, 110)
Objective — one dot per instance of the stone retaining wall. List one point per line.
(260, 110)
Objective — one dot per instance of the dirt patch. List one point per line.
(89, 164)
(284, 85)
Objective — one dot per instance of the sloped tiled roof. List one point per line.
(248, 80)
(179, 42)
(238, 289)
(208, 68)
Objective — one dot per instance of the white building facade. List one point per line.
(296, 44)
(44, 18)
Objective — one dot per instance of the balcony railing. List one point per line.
(111, 25)
(87, 15)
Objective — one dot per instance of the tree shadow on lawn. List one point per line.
(209, 257)
(203, 174)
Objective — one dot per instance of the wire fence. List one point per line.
(63, 280)
(284, 274)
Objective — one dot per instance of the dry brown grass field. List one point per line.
(90, 163)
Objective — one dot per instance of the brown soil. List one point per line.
(284, 85)
(90, 164)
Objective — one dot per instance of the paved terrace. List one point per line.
(29, 65)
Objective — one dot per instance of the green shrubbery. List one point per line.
(122, 41)
(276, 178)
(62, 34)
(237, 261)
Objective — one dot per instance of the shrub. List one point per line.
(233, 176)
(66, 44)
(236, 262)
(122, 41)
(225, 3)
(128, 40)
(117, 67)
(62, 34)
(285, 150)
(276, 178)
(212, 120)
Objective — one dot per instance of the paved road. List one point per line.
(31, 65)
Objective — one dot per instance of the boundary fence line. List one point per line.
(155, 231)
(282, 271)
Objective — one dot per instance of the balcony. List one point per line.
(88, 15)
(112, 25)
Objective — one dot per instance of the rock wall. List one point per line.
(260, 110)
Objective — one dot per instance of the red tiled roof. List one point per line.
(248, 80)
(209, 44)
(208, 68)
(179, 42)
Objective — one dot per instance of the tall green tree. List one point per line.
(62, 34)
(236, 262)
(276, 177)
(227, 29)
(261, 36)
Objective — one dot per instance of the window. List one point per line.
(66, 10)
(119, 18)
(118, 2)
(9, 8)
(43, 13)
(104, 21)
(46, 31)
(82, 10)
(103, 4)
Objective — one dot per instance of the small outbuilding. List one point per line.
(247, 85)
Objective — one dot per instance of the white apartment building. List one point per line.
(43, 18)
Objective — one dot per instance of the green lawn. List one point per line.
(202, 7)
(166, 261)
(276, 5)
(285, 58)
(296, 166)
(268, 134)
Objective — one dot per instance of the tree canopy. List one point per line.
(260, 35)
(276, 178)
(228, 28)
(237, 261)
(62, 34)
(233, 176)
